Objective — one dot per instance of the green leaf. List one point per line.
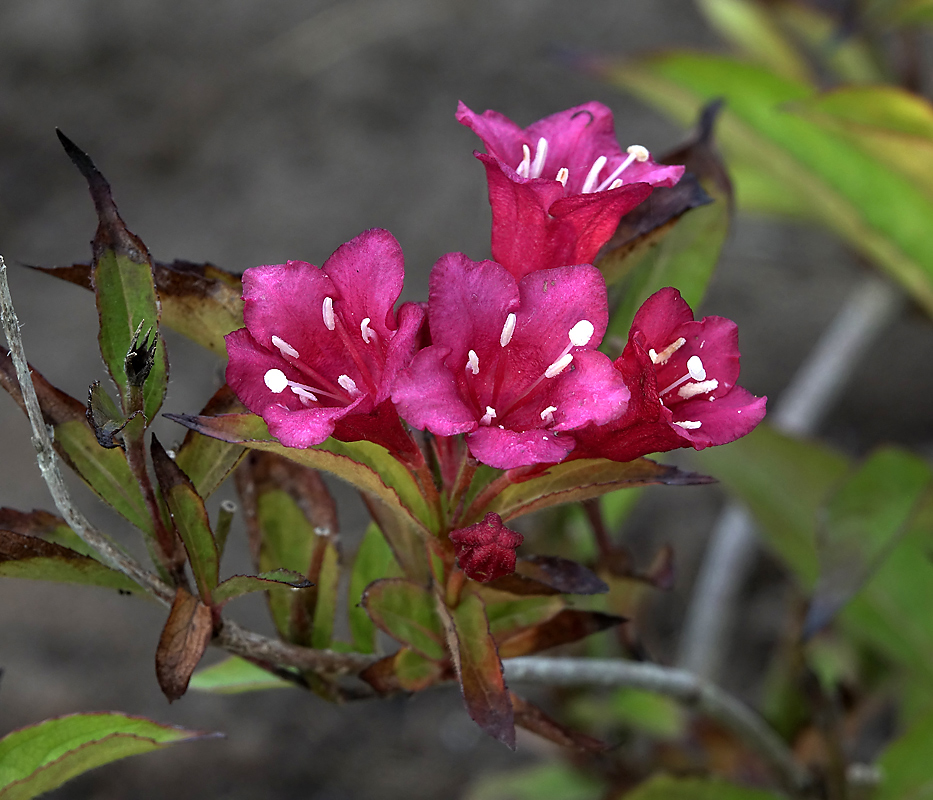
(49, 527)
(190, 519)
(783, 481)
(906, 767)
(863, 521)
(42, 757)
(479, 669)
(549, 781)
(406, 671)
(293, 522)
(506, 618)
(891, 612)
(287, 542)
(849, 56)
(238, 585)
(880, 119)
(325, 600)
(205, 460)
(23, 556)
(368, 467)
(577, 480)
(754, 31)
(235, 675)
(688, 254)
(665, 788)
(858, 195)
(200, 301)
(651, 713)
(125, 290)
(374, 560)
(408, 613)
(105, 471)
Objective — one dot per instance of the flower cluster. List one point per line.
(508, 356)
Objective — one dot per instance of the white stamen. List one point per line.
(540, 155)
(489, 416)
(328, 311)
(507, 329)
(667, 352)
(303, 393)
(696, 369)
(593, 175)
(348, 385)
(582, 332)
(562, 174)
(473, 362)
(275, 380)
(616, 173)
(615, 184)
(522, 169)
(635, 153)
(690, 426)
(284, 347)
(366, 332)
(548, 414)
(693, 389)
(558, 366)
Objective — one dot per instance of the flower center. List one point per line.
(696, 371)
(530, 167)
(346, 389)
(579, 336)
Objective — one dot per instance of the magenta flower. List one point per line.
(513, 363)
(559, 187)
(682, 376)
(322, 346)
(486, 550)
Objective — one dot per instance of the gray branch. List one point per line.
(241, 642)
(683, 686)
(48, 463)
(871, 307)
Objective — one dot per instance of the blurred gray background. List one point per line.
(247, 132)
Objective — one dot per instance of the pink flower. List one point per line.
(513, 363)
(322, 346)
(682, 376)
(559, 187)
(486, 550)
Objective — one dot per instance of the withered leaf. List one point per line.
(185, 637)
(105, 419)
(200, 301)
(570, 625)
(542, 575)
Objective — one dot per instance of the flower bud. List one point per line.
(486, 550)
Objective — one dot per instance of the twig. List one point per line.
(254, 646)
(808, 397)
(48, 465)
(705, 697)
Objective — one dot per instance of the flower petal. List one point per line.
(368, 273)
(524, 236)
(468, 305)
(505, 449)
(593, 392)
(426, 395)
(590, 220)
(725, 419)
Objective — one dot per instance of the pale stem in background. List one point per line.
(871, 307)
